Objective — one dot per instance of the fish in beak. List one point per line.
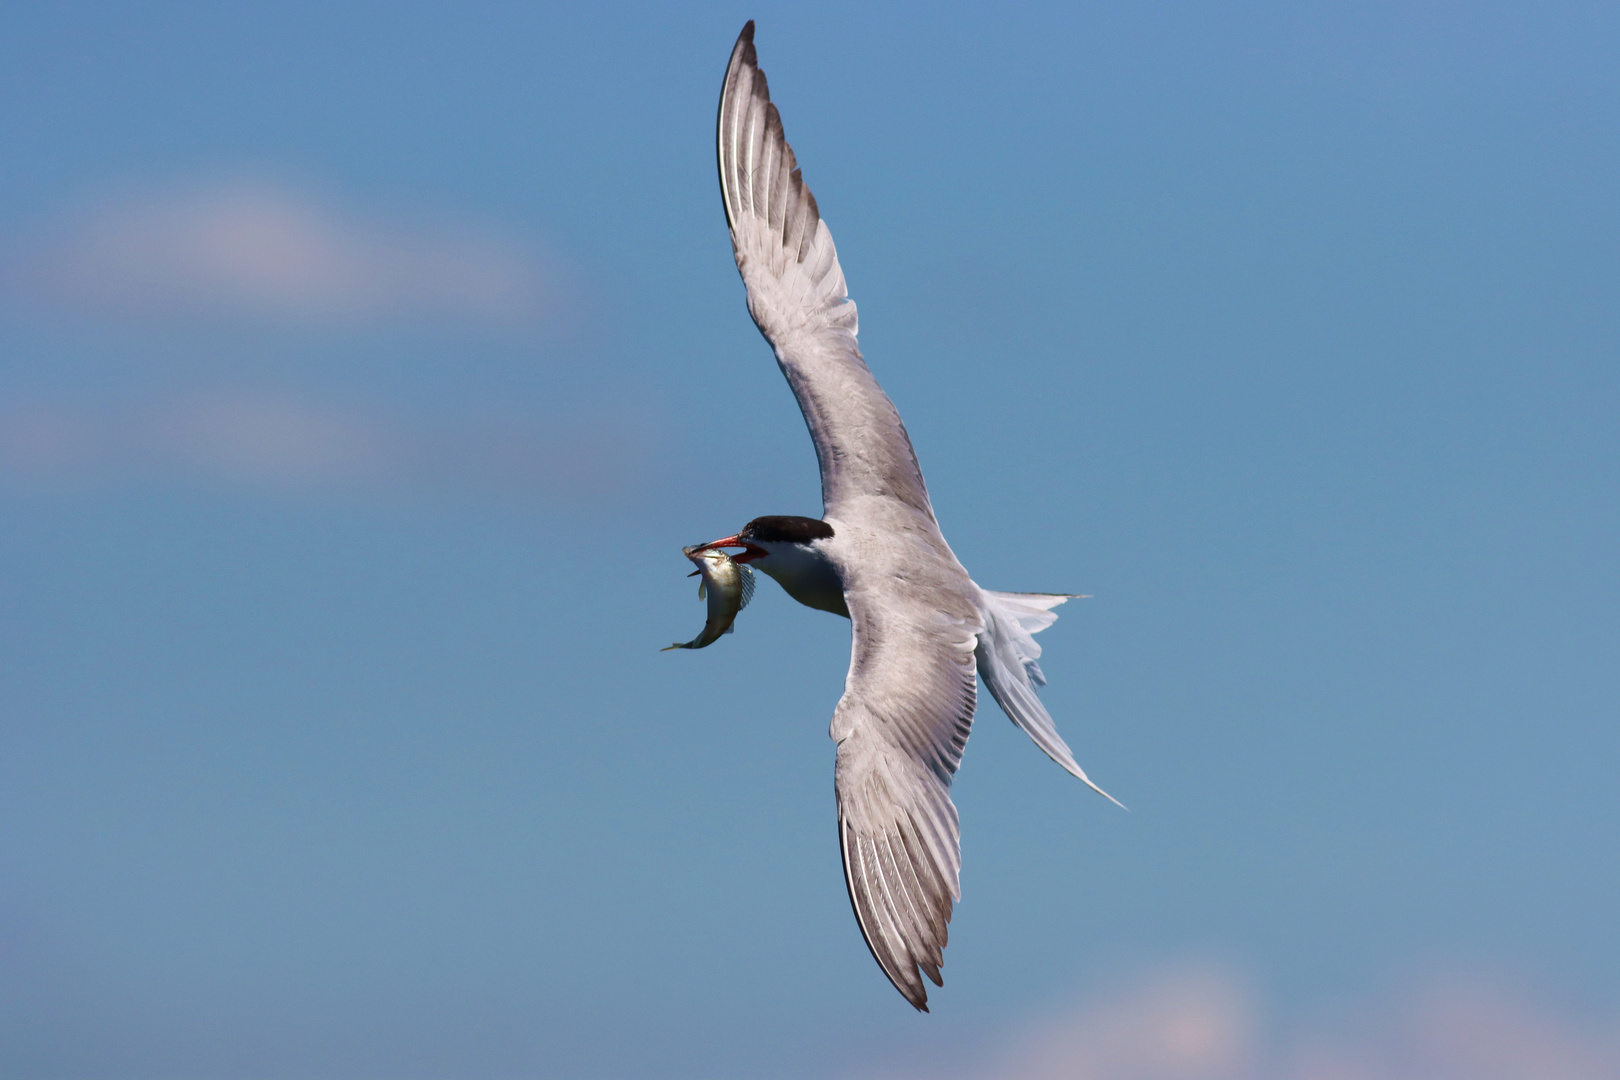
(726, 586)
(750, 551)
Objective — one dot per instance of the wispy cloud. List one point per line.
(1184, 1025)
(274, 441)
(260, 250)
(235, 259)
(1457, 1027)
(1204, 1023)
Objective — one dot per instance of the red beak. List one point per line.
(750, 552)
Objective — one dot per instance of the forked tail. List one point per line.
(1007, 655)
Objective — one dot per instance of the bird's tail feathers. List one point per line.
(1007, 655)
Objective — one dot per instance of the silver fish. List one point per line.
(728, 585)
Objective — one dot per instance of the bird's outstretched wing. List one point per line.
(901, 727)
(797, 297)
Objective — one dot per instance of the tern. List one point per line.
(921, 630)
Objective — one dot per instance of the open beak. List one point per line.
(750, 552)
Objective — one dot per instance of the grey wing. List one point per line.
(901, 727)
(797, 297)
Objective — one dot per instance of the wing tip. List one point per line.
(744, 49)
(916, 996)
(742, 53)
(896, 970)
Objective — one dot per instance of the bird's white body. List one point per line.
(921, 630)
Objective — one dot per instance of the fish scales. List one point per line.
(726, 585)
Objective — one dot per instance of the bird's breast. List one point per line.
(807, 575)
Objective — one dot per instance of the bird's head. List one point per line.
(765, 535)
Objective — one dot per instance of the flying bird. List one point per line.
(921, 629)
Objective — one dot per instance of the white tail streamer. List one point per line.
(1007, 656)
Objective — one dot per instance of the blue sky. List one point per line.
(363, 369)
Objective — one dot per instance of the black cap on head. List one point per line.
(786, 529)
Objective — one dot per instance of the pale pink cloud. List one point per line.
(256, 249)
(1460, 1027)
(1205, 1023)
(1188, 1024)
